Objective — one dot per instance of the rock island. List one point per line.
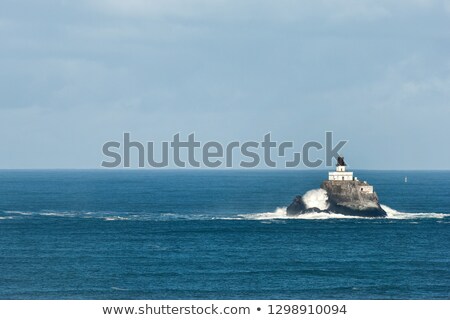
(345, 194)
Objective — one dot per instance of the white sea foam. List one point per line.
(115, 218)
(394, 214)
(57, 214)
(280, 213)
(119, 289)
(316, 198)
(23, 213)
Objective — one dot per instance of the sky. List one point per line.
(76, 74)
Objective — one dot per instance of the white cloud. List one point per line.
(156, 7)
(255, 9)
(282, 9)
(214, 66)
(434, 85)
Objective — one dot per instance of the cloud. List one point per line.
(222, 9)
(87, 71)
(157, 8)
(287, 10)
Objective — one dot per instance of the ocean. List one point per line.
(217, 234)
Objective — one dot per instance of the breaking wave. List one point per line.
(280, 213)
(394, 214)
(314, 198)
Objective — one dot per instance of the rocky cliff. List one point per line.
(354, 198)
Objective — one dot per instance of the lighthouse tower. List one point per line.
(340, 174)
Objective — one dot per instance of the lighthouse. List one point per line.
(345, 195)
(341, 174)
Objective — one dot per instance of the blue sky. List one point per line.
(75, 74)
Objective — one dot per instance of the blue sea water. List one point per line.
(199, 234)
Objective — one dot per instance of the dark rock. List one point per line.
(353, 198)
(296, 207)
(348, 198)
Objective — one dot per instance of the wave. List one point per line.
(23, 213)
(280, 213)
(108, 215)
(316, 198)
(394, 214)
(57, 214)
(119, 289)
(118, 218)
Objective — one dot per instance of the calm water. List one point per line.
(217, 235)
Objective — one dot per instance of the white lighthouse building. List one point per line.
(340, 174)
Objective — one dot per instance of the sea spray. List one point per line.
(316, 198)
(280, 213)
(394, 214)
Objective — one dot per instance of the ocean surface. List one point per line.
(207, 234)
